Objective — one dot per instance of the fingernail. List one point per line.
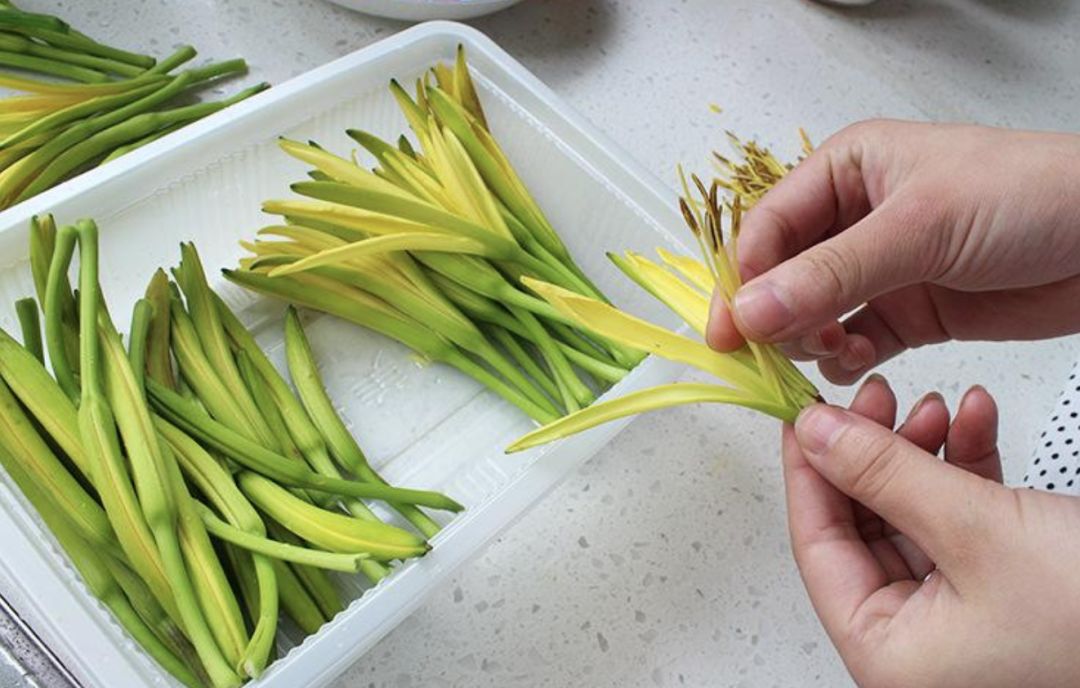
(922, 402)
(833, 337)
(976, 388)
(918, 407)
(828, 341)
(877, 378)
(852, 359)
(762, 309)
(746, 272)
(813, 345)
(818, 426)
(717, 308)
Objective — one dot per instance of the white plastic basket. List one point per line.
(424, 427)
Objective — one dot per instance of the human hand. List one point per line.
(926, 572)
(937, 231)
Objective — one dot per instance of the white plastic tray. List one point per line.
(425, 427)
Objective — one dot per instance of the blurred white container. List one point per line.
(422, 10)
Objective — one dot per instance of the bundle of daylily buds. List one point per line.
(194, 489)
(442, 247)
(431, 247)
(757, 376)
(81, 103)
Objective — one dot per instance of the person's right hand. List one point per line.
(937, 231)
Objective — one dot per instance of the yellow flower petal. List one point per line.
(339, 168)
(608, 321)
(346, 216)
(416, 241)
(690, 268)
(688, 303)
(651, 399)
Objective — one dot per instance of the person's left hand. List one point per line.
(926, 572)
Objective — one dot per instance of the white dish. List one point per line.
(424, 427)
(422, 10)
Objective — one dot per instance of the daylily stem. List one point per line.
(191, 417)
(321, 411)
(54, 67)
(349, 563)
(30, 326)
(76, 41)
(56, 291)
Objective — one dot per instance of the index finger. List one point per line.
(824, 194)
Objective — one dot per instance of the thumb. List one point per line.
(936, 505)
(895, 245)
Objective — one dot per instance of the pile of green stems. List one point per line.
(195, 490)
(463, 305)
(85, 102)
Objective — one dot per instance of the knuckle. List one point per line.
(876, 469)
(860, 130)
(874, 129)
(766, 217)
(832, 371)
(835, 272)
(872, 668)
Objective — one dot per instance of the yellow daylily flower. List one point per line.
(758, 376)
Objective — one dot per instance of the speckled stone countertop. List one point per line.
(664, 561)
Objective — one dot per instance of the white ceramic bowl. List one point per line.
(422, 10)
